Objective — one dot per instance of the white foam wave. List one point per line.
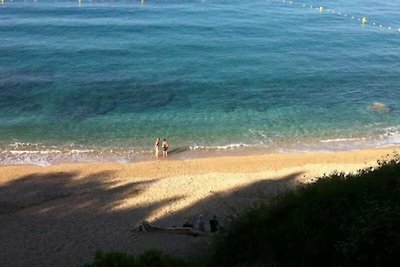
(81, 151)
(343, 140)
(390, 136)
(23, 144)
(219, 147)
(19, 152)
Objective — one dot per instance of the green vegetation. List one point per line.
(148, 259)
(339, 220)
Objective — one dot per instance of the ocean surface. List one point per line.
(100, 80)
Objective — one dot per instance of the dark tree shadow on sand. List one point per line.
(61, 218)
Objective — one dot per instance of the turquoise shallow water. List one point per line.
(102, 79)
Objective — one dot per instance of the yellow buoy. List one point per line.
(364, 20)
(321, 9)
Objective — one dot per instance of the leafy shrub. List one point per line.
(150, 258)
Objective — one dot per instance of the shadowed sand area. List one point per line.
(60, 215)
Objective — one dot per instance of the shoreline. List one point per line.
(49, 157)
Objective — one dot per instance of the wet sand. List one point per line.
(60, 215)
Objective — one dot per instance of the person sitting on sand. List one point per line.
(214, 224)
(165, 146)
(157, 146)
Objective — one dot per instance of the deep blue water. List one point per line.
(113, 75)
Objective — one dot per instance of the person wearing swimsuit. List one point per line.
(165, 146)
(157, 146)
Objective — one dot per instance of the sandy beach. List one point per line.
(61, 215)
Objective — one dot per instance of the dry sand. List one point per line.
(61, 214)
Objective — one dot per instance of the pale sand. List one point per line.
(60, 215)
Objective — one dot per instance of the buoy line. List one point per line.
(319, 8)
(324, 9)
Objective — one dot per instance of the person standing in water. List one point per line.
(165, 146)
(157, 146)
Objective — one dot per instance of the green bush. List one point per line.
(148, 259)
(340, 220)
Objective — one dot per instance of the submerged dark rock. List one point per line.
(380, 107)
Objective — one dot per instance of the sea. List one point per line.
(84, 81)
